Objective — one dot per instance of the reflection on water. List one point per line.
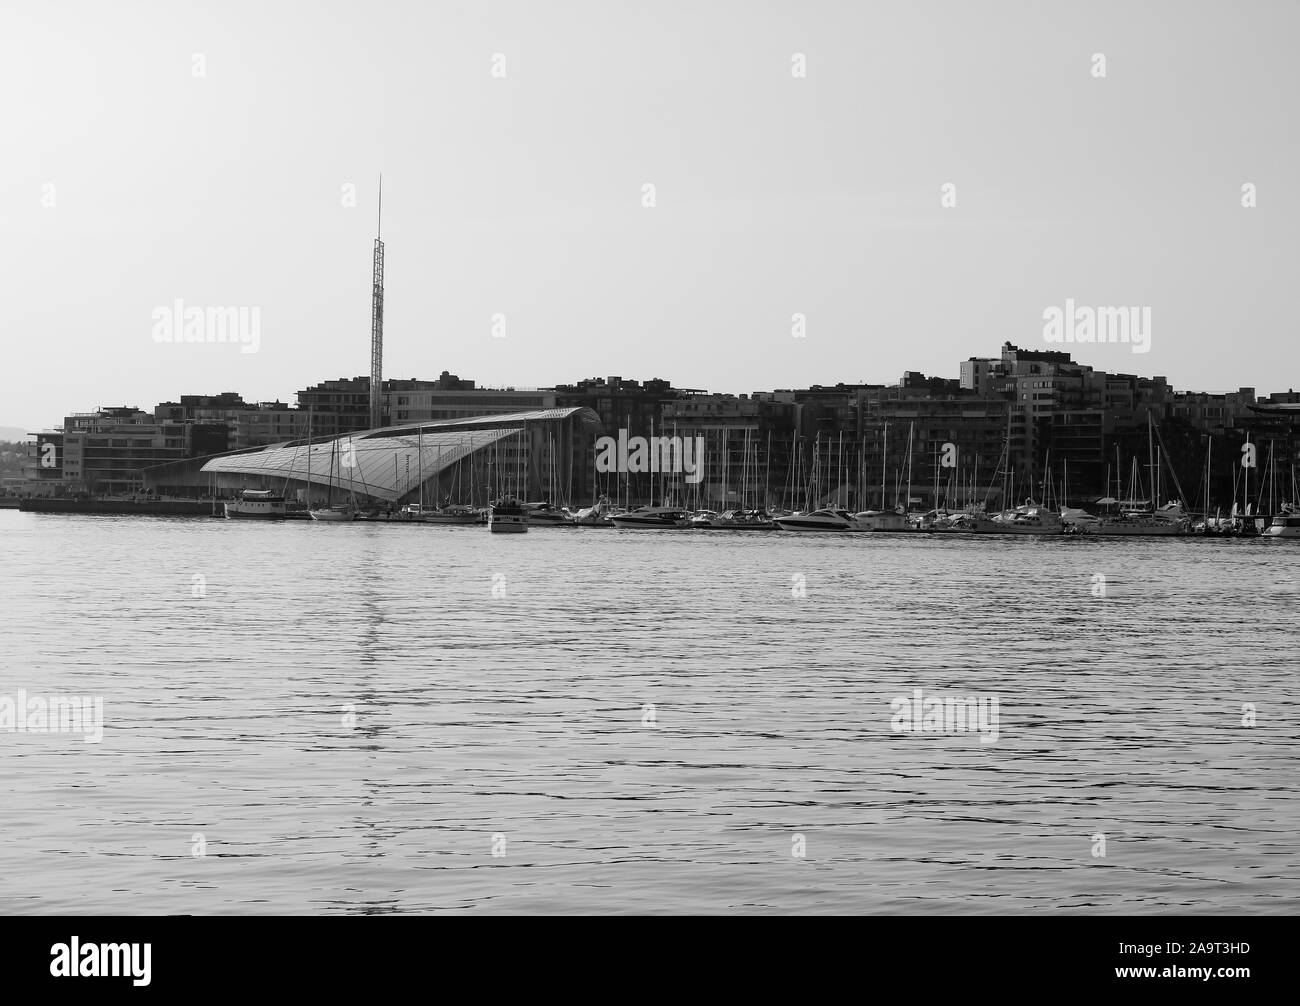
(645, 721)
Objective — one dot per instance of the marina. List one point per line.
(1028, 519)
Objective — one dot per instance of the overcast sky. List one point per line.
(156, 151)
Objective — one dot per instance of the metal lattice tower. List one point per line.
(377, 322)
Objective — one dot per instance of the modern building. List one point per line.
(43, 467)
(343, 406)
(106, 451)
(473, 461)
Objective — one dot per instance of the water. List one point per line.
(352, 719)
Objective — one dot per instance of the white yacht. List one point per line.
(256, 504)
(1286, 524)
(653, 517)
(829, 519)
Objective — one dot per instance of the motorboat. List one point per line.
(735, 520)
(660, 517)
(828, 519)
(545, 515)
(1286, 524)
(1027, 519)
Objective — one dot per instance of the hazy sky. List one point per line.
(128, 181)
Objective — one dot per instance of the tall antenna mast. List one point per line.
(377, 321)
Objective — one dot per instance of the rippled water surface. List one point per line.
(355, 718)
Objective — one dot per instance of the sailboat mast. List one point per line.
(907, 504)
(884, 454)
(1151, 470)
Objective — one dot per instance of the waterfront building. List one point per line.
(471, 460)
(343, 406)
(106, 451)
(43, 466)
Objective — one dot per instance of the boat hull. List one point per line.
(508, 519)
(451, 518)
(795, 524)
(333, 516)
(254, 511)
(883, 521)
(548, 520)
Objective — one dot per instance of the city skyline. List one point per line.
(907, 187)
(291, 399)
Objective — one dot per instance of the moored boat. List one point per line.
(342, 512)
(658, 517)
(455, 513)
(545, 515)
(883, 520)
(735, 520)
(507, 515)
(828, 519)
(596, 515)
(334, 512)
(256, 504)
(1027, 519)
(1286, 524)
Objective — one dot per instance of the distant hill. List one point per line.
(12, 433)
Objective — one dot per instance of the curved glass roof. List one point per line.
(387, 463)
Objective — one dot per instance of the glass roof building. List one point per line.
(469, 460)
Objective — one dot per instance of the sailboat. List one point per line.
(1287, 522)
(443, 510)
(342, 511)
(295, 509)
